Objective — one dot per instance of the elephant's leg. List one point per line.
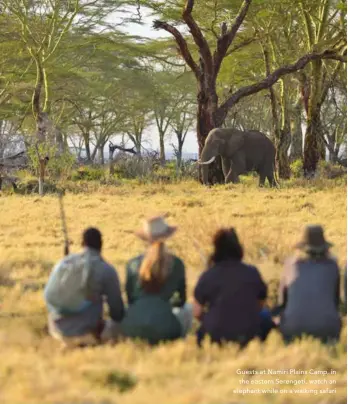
(271, 180)
(262, 179)
(227, 169)
(238, 166)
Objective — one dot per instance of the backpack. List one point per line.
(67, 289)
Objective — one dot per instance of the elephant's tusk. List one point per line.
(206, 162)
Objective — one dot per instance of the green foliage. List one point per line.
(39, 151)
(330, 171)
(113, 379)
(89, 173)
(60, 167)
(296, 168)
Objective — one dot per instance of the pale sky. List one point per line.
(147, 31)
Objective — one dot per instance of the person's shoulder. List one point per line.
(250, 267)
(69, 259)
(213, 271)
(134, 263)
(178, 263)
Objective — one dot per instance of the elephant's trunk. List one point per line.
(207, 162)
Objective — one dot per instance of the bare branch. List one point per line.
(225, 41)
(113, 147)
(198, 36)
(184, 50)
(272, 79)
(241, 45)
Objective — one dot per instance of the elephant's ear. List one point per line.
(236, 141)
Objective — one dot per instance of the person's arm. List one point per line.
(129, 285)
(197, 310)
(112, 292)
(201, 295)
(262, 295)
(282, 293)
(337, 294)
(345, 289)
(182, 286)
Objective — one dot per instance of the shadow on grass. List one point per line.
(113, 379)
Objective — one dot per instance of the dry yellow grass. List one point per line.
(269, 222)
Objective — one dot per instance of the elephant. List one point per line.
(241, 152)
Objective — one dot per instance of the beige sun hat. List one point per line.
(155, 229)
(313, 240)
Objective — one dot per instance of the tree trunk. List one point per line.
(311, 147)
(101, 155)
(42, 167)
(138, 147)
(332, 150)
(206, 110)
(87, 145)
(282, 158)
(162, 150)
(296, 152)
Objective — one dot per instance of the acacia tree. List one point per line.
(206, 67)
(324, 25)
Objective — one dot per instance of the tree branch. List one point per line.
(198, 36)
(272, 79)
(113, 147)
(185, 52)
(241, 45)
(225, 41)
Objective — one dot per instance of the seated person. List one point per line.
(74, 296)
(310, 290)
(229, 296)
(156, 289)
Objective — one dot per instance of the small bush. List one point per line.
(60, 167)
(89, 173)
(329, 170)
(296, 168)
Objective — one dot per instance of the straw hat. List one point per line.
(155, 229)
(313, 240)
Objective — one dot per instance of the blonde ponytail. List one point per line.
(154, 267)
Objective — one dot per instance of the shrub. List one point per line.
(330, 170)
(60, 167)
(296, 168)
(89, 173)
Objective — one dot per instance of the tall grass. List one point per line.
(269, 222)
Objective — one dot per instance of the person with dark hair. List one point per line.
(309, 292)
(156, 289)
(230, 294)
(74, 296)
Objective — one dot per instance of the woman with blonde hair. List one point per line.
(156, 289)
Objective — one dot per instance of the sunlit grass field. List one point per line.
(269, 222)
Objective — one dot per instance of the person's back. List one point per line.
(229, 295)
(150, 318)
(174, 286)
(102, 283)
(153, 280)
(233, 291)
(310, 290)
(311, 306)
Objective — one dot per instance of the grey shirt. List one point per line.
(311, 290)
(103, 285)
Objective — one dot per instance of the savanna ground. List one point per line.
(269, 222)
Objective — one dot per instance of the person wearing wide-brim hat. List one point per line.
(310, 290)
(156, 288)
(155, 229)
(313, 241)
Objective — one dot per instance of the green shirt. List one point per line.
(149, 316)
(174, 289)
